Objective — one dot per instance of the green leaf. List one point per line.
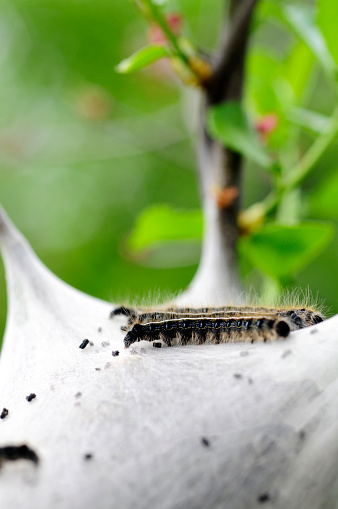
(263, 70)
(297, 69)
(309, 119)
(324, 200)
(320, 38)
(227, 123)
(160, 223)
(327, 22)
(281, 251)
(142, 58)
(301, 19)
(166, 238)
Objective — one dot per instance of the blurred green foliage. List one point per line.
(281, 251)
(228, 124)
(84, 150)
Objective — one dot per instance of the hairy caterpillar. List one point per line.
(178, 326)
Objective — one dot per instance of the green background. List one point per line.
(84, 150)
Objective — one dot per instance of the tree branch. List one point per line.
(227, 78)
(216, 280)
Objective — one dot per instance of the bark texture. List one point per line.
(216, 280)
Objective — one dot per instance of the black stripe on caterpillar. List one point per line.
(206, 330)
(300, 317)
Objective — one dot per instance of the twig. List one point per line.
(160, 20)
(196, 66)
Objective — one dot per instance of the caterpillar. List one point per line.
(182, 326)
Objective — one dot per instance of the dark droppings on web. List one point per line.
(264, 497)
(115, 353)
(30, 397)
(302, 434)
(78, 394)
(4, 413)
(88, 456)
(84, 343)
(238, 376)
(13, 453)
(205, 442)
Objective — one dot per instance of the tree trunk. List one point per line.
(216, 280)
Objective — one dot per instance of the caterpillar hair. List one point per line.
(227, 324)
